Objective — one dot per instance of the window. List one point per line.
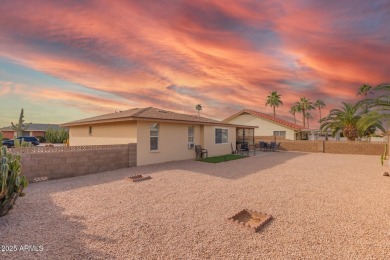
(221, 136)
(90, 130)
(154, 137)
(190, 137)
(280, 133)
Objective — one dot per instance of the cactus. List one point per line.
(12, 182)
(56, 135)
(20, 127)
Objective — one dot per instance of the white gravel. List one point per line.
(325, 206)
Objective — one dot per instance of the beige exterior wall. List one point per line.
(172, 143)
(103, 134)
(266, 128)
(218, 149)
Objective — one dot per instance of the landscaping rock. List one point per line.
(386, 174)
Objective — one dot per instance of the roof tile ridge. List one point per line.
(141, 110)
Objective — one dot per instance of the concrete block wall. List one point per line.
(365, 148)
(354, 148)
(302, 146)
(62, 162)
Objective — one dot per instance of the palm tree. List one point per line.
(365, 90)
(343, 119)
(293, 110)
(198, 108)
(319, 104)
(303, 106)
(380, 108)
(308, 116)
(273, 99)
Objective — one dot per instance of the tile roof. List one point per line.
(145, 113)
(33, 127)
(267, 117)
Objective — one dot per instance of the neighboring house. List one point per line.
(160, 135)
(32, 130)
(267, 125)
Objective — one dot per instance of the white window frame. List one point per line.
(190, 138)
(154, 136)
(278, 133)
(227, 135)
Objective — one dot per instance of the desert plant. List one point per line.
(58, 135)
(12, 182)
(20, 127)
(1, 136)
(21, 143)
(383, 156)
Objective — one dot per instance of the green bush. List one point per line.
(56, 135)
(12, 182)
(21, 143)
(1, 136)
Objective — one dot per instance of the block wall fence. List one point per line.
(62, 162)
(365, 148)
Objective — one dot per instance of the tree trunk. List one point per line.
(304, 117)
(319, 109)
(274, 112)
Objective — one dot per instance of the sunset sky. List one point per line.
(67, 60)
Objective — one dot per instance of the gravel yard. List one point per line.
(325, 206)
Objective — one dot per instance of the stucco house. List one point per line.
(32, 130)
(160, 135)
(267, 125)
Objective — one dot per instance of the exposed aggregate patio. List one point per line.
(324, 206)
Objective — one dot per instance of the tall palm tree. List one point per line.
(293, 110)
(273, 99)
(303, 106)
(319, 104)
(365, 90)
(198, 108)
(308, 116)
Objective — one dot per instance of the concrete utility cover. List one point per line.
(251, 219)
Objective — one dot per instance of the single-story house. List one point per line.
(267, 125)
(160, 135)
(32, 130)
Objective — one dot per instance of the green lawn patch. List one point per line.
(222, 158)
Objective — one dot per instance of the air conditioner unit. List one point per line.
(190, 146)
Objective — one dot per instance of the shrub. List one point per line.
(12, 182)
(21, 143)
(56, 135)
(1, 136)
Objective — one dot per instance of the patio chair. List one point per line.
(200, 152)
(240, 149)
(252, 148)
(262, 145)
(272, 146)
